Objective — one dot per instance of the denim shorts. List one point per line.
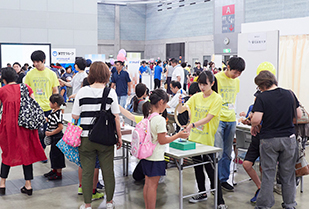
(153, 168)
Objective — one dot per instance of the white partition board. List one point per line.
(253, 58)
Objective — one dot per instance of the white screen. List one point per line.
(21, 53)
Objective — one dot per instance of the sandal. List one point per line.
(26, 191)
(2, 191)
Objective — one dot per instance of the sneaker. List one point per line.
(80, 191)
(253, 200)
(110, 205)
(100, 186)
(50, 173)
(97, 195)
(54, 177)
(198, 198)
(162, 179)
(44, 161)
(222, 206)
(84, 207)
(227, 187)
(277, 189)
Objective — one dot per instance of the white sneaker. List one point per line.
(110, 205)
(162, 179)
(84, 207)
(222, 206)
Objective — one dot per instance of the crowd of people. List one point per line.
(211, 98)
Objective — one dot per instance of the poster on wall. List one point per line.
(133, 68)
(95, 57)
(257, 41)
(228, 19)
(63, 56)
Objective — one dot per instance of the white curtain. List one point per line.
(294, 66)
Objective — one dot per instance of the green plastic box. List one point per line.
(182, 145)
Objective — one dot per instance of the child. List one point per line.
(54, 131)
(63, 91)
(205, 109)
(154, 166)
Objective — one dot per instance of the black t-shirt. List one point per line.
(277, 107)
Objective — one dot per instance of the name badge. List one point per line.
(231, 106)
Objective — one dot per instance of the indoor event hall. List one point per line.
(154, 104)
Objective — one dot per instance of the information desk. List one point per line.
(179, 156)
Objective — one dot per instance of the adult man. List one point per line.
(21, 75)
(186, 74)
(157, 75)
(142, 69)
(169, 73)
(177, 90)
(77, 80)
(43, 82)
(178, 74)
(227, 85)
(121, 80)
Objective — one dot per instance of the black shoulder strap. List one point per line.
(104, 97)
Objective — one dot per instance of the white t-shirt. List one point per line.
(178, 71)
(77, 81)
(175, 100)
(157, 125)
(87, 104)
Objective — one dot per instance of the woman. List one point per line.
(87, 103)
(20, 146)
(275, 106)
(205, 109)
(138, 100)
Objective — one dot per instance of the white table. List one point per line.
(179, 156)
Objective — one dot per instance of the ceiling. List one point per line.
(128, 2)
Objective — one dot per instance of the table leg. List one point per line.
(180, 169)
(127, 159)
(216, 180)
(123, 159)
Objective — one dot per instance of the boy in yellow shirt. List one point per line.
(227, 86)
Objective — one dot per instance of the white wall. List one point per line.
(63, 23)
(294, 26)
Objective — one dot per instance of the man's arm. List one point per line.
(178, 78)
(65, 83)
(113, 86)
(129, 88)
(55, 90)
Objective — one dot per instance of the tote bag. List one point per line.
(72, 134)
(31, 115)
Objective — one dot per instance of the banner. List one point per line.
(133, 68)
(63, 55)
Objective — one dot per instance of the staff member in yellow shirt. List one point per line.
(43, 82)
(227, 86)
(205, 109)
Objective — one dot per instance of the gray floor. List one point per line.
(128, 194)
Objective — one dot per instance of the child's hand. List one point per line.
(242, 114)
(183, 134)
(47, 133)
(46, 119)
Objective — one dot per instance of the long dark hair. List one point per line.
(154, 98)
(140, 90)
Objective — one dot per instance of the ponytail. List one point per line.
(135, 103)
(154, 98)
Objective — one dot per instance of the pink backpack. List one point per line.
(141, 145)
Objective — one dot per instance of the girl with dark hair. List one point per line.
(20, 146)
(52, 135)
(205, 109)
(154, 166)
(138, 99)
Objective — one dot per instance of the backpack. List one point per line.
(130, 105)
(141, 145)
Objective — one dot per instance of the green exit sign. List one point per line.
(226, 50)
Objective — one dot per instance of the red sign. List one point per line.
(228, 10)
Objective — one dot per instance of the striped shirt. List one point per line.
(54, 118)
(87, 105)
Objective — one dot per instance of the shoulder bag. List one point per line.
(104, 125)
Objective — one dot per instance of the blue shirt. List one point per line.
(142, 69)
(157, 72)
(121, 80)
(65, 93)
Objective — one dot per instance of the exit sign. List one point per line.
(226, 50)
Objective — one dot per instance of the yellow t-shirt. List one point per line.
(195, 79)
(138, 118)
(227, 89)
(200, 107)
(42, 83)
(188, 69)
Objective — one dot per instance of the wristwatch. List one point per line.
(193, 125)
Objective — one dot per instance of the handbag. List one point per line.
(31, 115)
(72, 134)
(103, 130)
(69, 152)
(304, 116)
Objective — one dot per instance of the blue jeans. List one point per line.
(122, 100)
(224, 140)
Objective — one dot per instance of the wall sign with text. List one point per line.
(228, 19)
